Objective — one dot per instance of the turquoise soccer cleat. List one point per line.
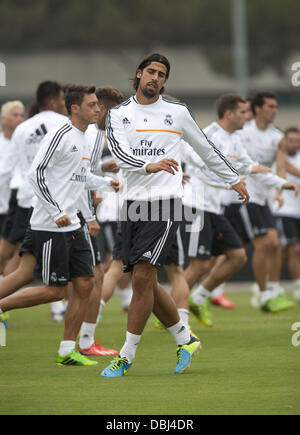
(185, 354)
(118, 368)
(4, 317)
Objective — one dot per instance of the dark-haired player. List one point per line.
(144, 135)
(59, 174)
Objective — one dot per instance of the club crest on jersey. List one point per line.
(169, 120)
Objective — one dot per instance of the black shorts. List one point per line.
(20, 224)
(10, 217)
(176, 254)
(217, 237)
(251, 220)
(107, 236)
(2, 223)
(289, 230)
(148, 231)
(94, 243)
(60, 256)
(117, 253)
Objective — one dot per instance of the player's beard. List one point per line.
(150, 93)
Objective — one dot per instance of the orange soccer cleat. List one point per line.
(97, 350)
(224, 302)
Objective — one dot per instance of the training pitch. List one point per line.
(248, 365)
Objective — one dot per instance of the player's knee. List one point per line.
(142, 277)
(240, 258)
(264, 244)
(294, 251)
(57, 293)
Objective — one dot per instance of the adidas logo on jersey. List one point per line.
(147, 255)
(126, 121)
(74, 149)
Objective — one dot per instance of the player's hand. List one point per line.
(278, 198)
(167, 165)
(259, 169)
(93, 228)
(291, 186)
(186, 178)
(96, 198)
(116, 184)
(240, 188)
(64, 221)
(110, 166)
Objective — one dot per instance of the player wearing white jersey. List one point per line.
(144, 135)
(219, 236)
(288, 216)
(12, 114)
(108, 97)
(265, 144)
(25, 144)
(59, 174)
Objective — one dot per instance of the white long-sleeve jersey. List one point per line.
(59, 174)
(291, 205)
(25, 144)
(142, 134)
(201, 192)
(231, 144)
(262, 146)
(5, 145)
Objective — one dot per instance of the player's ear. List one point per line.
(139, 73)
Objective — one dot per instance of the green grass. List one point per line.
(248, 366)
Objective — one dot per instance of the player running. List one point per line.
(59, 245)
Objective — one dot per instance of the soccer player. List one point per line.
(59, 174)
(144, 135)
(265, 144)
(289, 214)
(218, 236)
(108, 97)
(24, 146)
(12, 114)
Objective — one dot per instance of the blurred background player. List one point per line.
(265, 144)
(288, 216)
(25, 144)
(12, 114)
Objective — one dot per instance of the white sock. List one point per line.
(87, 336)
(126, 296)
(218, 291)
(200, 295)
(184, 316)
(265, 296)
(275, 289)
(180, 333)
(58, 307)
(296, 286)
(130, 346)
(102, 305)
(1, 312)
(66, 347)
